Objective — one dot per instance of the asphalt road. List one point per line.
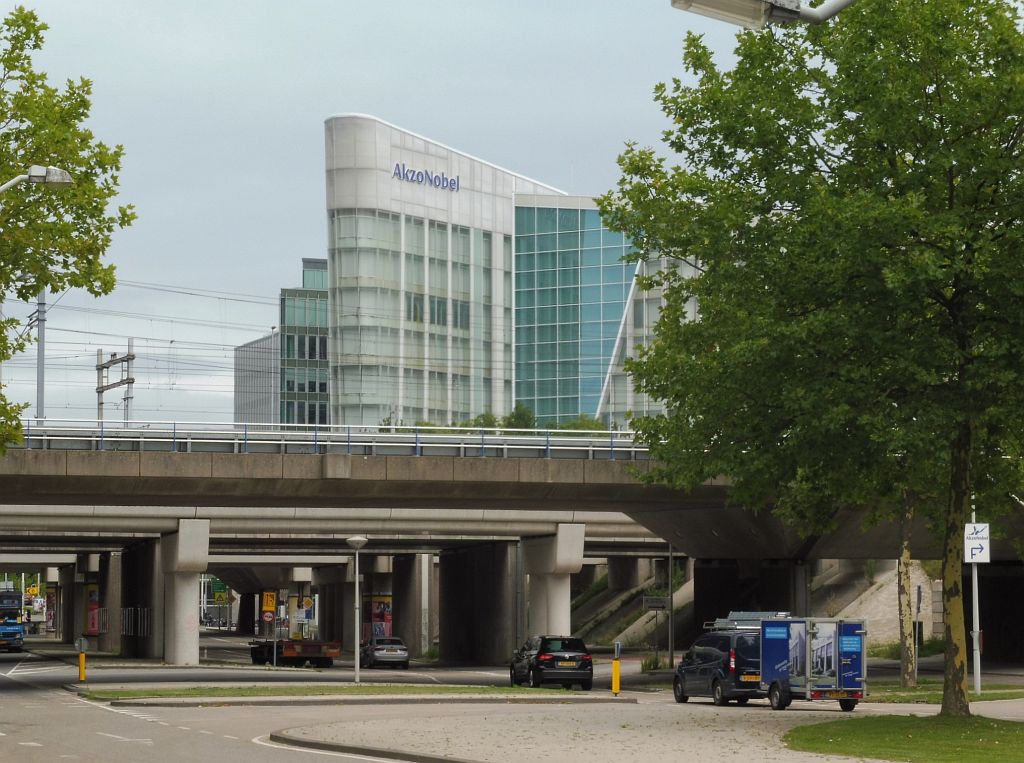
(41, 721)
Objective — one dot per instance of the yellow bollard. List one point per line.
(616, 664)
(82, 644)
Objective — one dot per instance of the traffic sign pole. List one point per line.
(976, 549)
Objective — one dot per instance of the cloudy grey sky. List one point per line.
(220, 107)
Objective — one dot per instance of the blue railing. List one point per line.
(193, 437)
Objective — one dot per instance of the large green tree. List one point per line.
(49, 239)
(845, 207)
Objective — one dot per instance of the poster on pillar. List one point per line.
(380, 614)
(51, 607)
(92, 609)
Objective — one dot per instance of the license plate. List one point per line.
(837, 694)
(753, 677)
(391, 651)
(566, 664)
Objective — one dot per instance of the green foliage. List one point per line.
(845, 208)
(584, 422)
(51, 238)
(924, 740)
(890, 650)
(520, 418)
(651, 662)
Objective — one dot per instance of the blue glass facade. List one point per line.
(571, 292)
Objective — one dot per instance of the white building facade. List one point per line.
(420, 277)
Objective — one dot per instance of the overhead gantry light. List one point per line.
(754, 14)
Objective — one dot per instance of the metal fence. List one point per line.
(206, 437)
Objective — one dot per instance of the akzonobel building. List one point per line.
(420, 276)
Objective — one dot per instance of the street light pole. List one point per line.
(48, 177)
(356, 542)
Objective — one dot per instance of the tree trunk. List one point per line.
(908, 642)
(954, 684)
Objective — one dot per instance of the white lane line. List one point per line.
(184, 728)
(204, 731)
(30, 744)
(228, 736)
(124, 739)
(424, 675)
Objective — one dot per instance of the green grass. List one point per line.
(106, 695)
(929, 691)
(890, 650)
(918, 740)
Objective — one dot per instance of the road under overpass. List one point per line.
(308, 503)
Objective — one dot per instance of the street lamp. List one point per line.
(356, 542)
(754, 14)
(48, 177)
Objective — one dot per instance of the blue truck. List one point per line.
(813, 658)
(12, 627)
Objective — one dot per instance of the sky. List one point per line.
(220, 107)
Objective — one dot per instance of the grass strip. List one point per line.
(106, 695)
(917, 740)
(929, 692)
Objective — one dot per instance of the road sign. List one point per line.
(976, 543)
(268, 617)
(269, 601)
(220, 597)
(655, 602)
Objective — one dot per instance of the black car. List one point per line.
(723, 665)
(552, 660)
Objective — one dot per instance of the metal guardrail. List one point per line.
(207, 437)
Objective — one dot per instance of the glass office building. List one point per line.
(453, 288)
(304, 366)
(419, 277)
(281, 378)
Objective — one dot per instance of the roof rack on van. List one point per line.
(741, 620)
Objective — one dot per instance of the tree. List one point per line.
(520, 418)
(50, 240)
(847, 213)
(584, 422)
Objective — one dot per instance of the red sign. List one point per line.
(268, 617)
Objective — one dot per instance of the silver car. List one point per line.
(384, 650)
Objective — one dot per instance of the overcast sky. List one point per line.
(220, 107)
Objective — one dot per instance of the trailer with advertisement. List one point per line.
(813, 658)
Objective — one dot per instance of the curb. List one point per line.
(283, 737)
(429, 699)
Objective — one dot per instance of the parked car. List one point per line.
(552, 660)
(722, 664)
(384, 650)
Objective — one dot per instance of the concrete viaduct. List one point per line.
(145, 512)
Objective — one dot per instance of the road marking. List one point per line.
(184, 728)
(124, 739)
(228, 736)
(204, 731)
(30, 744)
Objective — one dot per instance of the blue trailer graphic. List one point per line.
(813, 658)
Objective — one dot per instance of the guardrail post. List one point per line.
(611, 444)
(101, 434)
(417, 452)
(316, 440)
(348, 430)
(28, 435)
(547, 445)
(174, 436)
(245, 438)
(481, 443)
